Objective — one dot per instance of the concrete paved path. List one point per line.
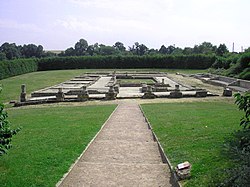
(123, 154)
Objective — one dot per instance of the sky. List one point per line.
(59, 24)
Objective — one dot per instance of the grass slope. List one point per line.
(194, 132)
(49, 142)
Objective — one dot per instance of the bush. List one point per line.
(6, 132)
(238, 148)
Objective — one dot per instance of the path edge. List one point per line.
(87, 147)
(162, 153)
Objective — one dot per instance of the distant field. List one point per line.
(42, 79)
(49, 142)
(195, 132)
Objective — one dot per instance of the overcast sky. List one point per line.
(59, 24)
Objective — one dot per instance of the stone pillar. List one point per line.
(149, 93)
(176, 93)
(116, 88)
(23, 93)
(83, 95)
(60, 95)
(111, 95)
(201, 93)
(177, 87)
(144, 88)
(227, 92)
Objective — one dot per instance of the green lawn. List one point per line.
(195, 132)
(135, 81)
(42, 79)
(49, 142)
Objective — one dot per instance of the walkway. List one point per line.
(123, 154)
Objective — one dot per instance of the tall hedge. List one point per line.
(15, 67)
(109, 62)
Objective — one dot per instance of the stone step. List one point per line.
(122, 152)
(112, 175)
(144, 135)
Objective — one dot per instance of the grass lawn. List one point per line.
(195, 132)
(135, 81)
(49, 142)
(38, 80)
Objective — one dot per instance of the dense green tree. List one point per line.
(70, 52)
(187, 51)
(81, 47)
(170, 49)
(163, 50)
(11, 50)
(205, 48)
(31, 50)
(221, 50)
(2, 56)
(119, 46)
(247, 50)
(107, 50)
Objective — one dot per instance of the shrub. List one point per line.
(6, 132)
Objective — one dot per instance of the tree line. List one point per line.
(10, 51)
(82, 48)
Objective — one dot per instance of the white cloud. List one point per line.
(79, 25)
(11, 24)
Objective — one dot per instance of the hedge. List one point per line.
(125, 62)
(15, 67)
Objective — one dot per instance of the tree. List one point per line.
(81, 47)
(187, 51)
(247, 50)
(106, 50)
(11, 50)
(31, 50)
(204, 48)
(221, 50)
(163, 50)
(70, 52)
(6, 133)
(119, 46)
(2, 56)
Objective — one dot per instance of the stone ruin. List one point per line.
(106, 86)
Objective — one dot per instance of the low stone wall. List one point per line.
(225, 79)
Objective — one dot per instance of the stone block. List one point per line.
(201, 93)
(175, 94)
(183, 170)
(227, 92)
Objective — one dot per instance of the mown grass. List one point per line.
(195, 132)
(135, 81)
(49, 142)
(38, 80)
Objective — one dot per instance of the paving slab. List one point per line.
(123, 154)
